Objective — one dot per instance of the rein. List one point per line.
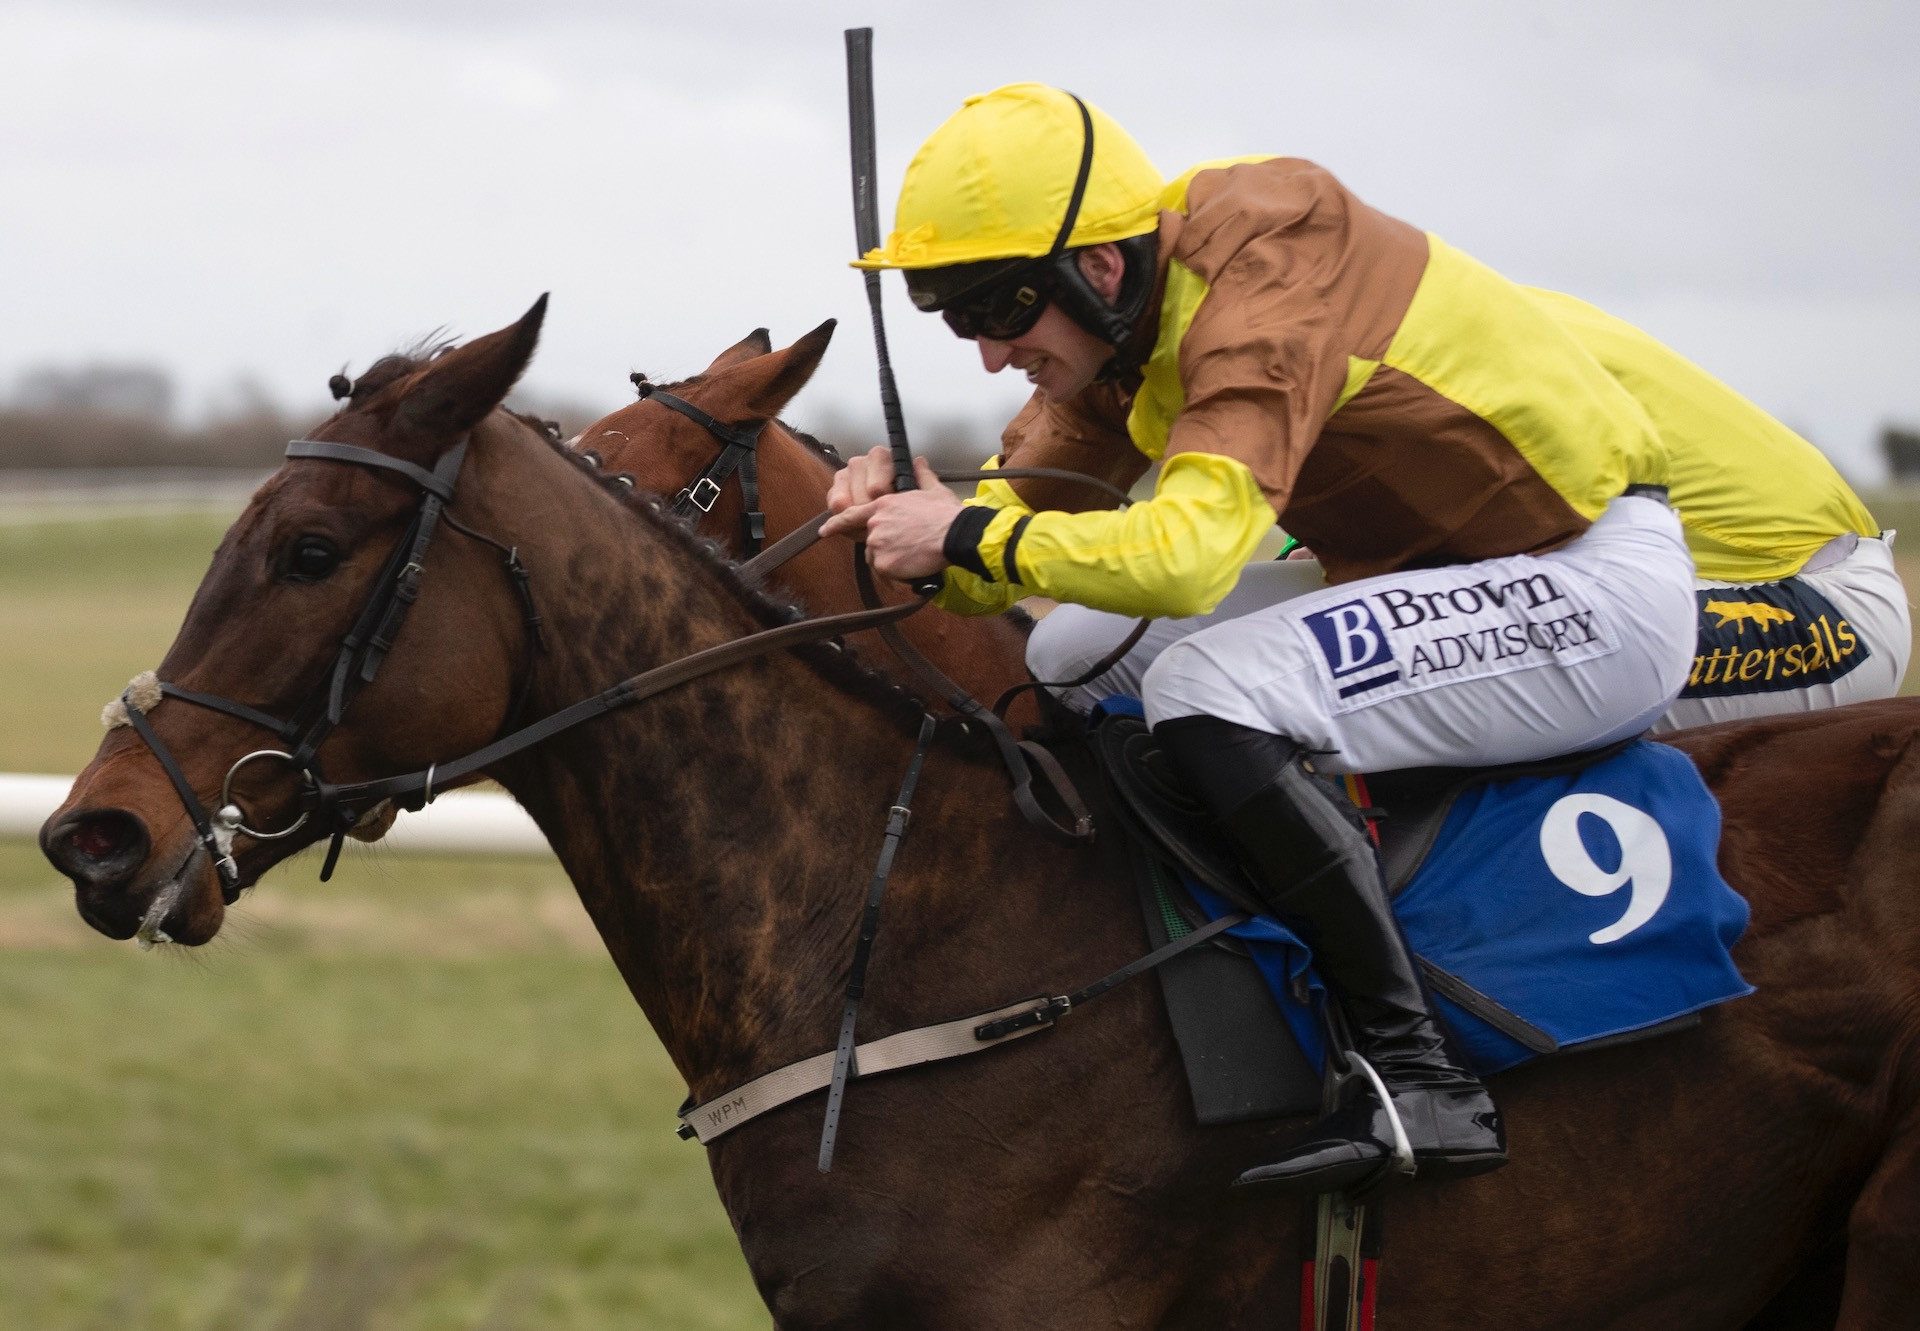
(415, 789)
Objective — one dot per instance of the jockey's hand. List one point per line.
(905, 533)
(864, 479)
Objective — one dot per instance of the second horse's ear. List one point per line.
(756, 343)
(759, 388)
(455, 392)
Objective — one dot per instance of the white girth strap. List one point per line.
(904, 1049)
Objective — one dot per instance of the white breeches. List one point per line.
(1475, 664)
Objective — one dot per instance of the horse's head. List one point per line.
(297, 627)
(669, 452)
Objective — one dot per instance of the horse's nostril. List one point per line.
(98, 844)
(97, 840)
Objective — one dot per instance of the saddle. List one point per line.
(1242, 1059)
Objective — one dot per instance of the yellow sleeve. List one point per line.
(1176, 554)
(962, 593)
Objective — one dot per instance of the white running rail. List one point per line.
(465, 822)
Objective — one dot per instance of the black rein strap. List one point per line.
(415, 789)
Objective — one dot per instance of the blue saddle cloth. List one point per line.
(1588, 903)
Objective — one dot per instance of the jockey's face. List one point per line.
(1058, 356)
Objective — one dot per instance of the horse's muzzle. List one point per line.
(109, 855)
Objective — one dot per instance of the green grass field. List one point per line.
(415, 1097)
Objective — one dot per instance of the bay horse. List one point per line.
(718, 835)
(747, 386)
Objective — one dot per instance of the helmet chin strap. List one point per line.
(1111, 323)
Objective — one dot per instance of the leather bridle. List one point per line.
(365, 646)
(362, 651)
(739, 452)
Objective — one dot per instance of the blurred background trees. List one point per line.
(104, 414)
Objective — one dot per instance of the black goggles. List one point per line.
(1003, 311)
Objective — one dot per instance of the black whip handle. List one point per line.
(866, 232)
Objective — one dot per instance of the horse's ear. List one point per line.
(757, 389)
(756, 343)
(455, 392)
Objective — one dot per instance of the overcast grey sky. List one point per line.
(265, 188)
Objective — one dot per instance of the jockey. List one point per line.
(1486, 501)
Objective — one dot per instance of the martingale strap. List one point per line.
(897, 819)
(1019, 757)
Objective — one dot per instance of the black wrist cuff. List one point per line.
(1013, 544)
(961, 546)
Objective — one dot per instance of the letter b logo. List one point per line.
(1350, 638)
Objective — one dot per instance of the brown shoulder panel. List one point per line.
(1300, 226)
(1302, 277)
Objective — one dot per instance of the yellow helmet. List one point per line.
(1000, 180)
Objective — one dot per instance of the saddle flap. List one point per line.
(1141, 775)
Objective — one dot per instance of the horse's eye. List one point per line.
(311, 559)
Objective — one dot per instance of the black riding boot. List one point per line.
(1311, 850)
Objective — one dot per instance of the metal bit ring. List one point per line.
(226, 794)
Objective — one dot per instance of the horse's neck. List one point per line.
(720, 833)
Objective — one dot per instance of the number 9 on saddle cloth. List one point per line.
(1552, 906)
